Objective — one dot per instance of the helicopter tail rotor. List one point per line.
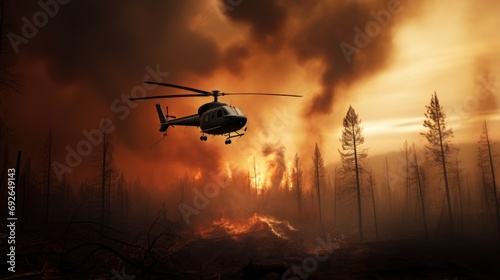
(163, 118)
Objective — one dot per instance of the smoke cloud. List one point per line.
(367, 26)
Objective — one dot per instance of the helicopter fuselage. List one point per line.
(214, 118)
(221, 119)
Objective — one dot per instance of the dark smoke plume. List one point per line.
(317, 30)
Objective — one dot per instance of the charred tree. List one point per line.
(318, 172)
(105, 146)
(388, 180)
(405, 213)
(459, 188)
(416, 167)
(49, 171)
(486, 155)
(351, 155)
(484, 180)
(121, 197)
(372, 185)
(298, 181)
(439, 147)
(335, 197)
(106, 176)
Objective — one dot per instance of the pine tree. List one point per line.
(439, 148)
(318, 172)
(352, 154)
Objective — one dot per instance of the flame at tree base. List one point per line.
(255, 223)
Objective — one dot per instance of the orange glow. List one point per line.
(197, 175)
(256, 177)
(287, 181)
(262, 179)
(276, 226)
(255, 223)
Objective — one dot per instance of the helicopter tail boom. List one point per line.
(163, 120)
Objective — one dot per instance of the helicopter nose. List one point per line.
(241, 120)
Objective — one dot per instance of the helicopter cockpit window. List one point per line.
(219, 113)
(230, 111)
(238, 111)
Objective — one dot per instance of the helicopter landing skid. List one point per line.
(229, 136)
(203, 137)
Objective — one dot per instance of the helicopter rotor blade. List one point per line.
(167, 96)
(178, 87)
(258, 93)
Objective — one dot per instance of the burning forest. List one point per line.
(386, 167)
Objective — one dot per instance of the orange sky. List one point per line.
(87, 56)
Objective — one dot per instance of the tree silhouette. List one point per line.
(351, 155)
(107, 176)
(297, 172)
(457, 174)
(439, 148)
(388, 181)
(318, 172)
(406, 209)
(485, 158)
(48, 156)
(416, 168)
(372, 186)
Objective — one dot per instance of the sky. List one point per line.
(83, 60)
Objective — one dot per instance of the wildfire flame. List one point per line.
(254, 223)
(276, 226)
(197, 175)
(261, 179)
(287, 180)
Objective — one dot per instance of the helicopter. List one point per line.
(214, 118)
